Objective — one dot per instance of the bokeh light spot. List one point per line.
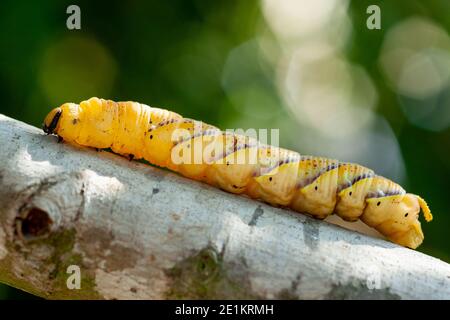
(415, 59)
(297, 18)
(330, 95)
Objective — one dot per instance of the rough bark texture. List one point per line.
(141, 232)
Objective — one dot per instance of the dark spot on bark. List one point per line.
(96, 244)
(151, 136)
(406, 214)
(205, 275)
(359, 291)
(315, 188)
(74, 121)
(378, 203)
(134, 290)
(350, 193)
(155, 191)
(311, 233)
(82, 203)
(270, 179)
(258, 213)
(36, 223)
(291, 293)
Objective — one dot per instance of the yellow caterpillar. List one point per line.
(312, 185)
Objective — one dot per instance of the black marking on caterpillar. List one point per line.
(381, 194)
(208, 132)
(289, 159)
(171, 121)
(234, 150)
(356, 179)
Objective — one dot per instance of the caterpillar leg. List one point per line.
(397, 217)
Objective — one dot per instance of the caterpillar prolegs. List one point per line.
(240, 164)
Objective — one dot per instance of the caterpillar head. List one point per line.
(398, 218)
(51, 120)
(63, 121)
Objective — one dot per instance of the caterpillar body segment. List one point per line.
(241, 165)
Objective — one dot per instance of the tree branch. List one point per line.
(136, 231)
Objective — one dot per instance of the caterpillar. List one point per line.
(306, 184)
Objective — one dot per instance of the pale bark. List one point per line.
(141, 232)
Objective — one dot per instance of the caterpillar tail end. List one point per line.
(414, 237)
(425, 209)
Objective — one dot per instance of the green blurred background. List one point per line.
(309, 68)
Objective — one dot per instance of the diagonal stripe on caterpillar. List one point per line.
(239, 164)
